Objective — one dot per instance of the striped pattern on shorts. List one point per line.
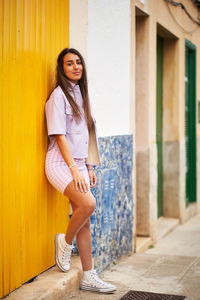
(58, 173)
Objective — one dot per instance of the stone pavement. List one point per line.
(172, 266)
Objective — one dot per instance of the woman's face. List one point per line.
(72, 67)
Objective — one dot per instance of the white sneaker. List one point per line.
(91, 282)
(62, 252)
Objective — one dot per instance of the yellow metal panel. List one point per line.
(33, 32)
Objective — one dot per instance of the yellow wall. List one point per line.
(31, 211)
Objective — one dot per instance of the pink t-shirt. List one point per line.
(60, 120)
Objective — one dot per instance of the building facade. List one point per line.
(167, 129)
(143, 63)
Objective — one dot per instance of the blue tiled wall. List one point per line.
(112, 221)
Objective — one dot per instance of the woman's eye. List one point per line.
(79, 63)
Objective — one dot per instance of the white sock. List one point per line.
(87, 272)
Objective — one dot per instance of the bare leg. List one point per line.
(85, 205)
(84, 243)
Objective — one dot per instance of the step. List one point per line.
(164, 226)
(52, 284)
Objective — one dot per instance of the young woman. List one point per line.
(71, 154)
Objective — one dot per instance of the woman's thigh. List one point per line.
(79, 198)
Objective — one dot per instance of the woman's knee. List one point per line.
(86, 202)
(90, 206)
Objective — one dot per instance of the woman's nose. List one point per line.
(75, 66)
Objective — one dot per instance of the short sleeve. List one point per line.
(55, 114)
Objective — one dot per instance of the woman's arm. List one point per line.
(65, 149)
(79, 180)
(93, 178)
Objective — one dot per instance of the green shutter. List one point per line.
(190, 121)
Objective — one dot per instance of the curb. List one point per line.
(51, 284)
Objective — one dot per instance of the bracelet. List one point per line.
(72, 166)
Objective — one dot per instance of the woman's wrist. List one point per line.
(72, 165)
(73, 168)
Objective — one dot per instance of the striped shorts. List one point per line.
(58, 173)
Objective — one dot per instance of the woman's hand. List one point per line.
(93, 178)
(79, 180)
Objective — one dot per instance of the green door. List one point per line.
(159, 123)
(190, 120)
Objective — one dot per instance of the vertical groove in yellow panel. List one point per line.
(19, 191)
(18, 113)
(50, 204)
(1, 151)
(58, 31)
(38, 120)
(20, 108)
(1, 29)
(50, 45)
(1, 158)
(6, 29)
(5, 143)
(44, 49)
(12, 153)
(38, 30)
(19, 16)
(26, 26)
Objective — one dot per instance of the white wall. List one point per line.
(108, 59)
(78, 26)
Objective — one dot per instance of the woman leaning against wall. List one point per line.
(71, 154)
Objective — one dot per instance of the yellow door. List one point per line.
(33, 32)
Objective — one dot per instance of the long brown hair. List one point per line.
(65, 85)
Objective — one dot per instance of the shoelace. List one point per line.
(67, 254)
(97, 279)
